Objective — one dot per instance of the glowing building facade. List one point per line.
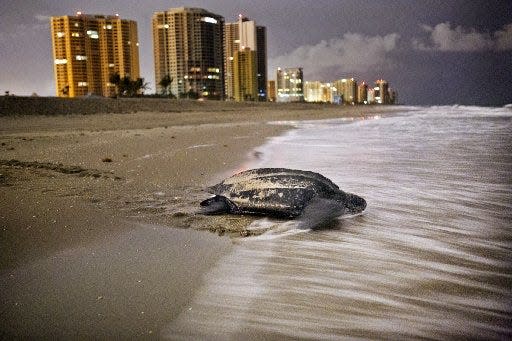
(346, 89)
(381, 91)
(245, 75)
(240, 38)
(271, 88)
(318, 92)
(89, 49)
(188, 46)
(290, 85)
(362, 93)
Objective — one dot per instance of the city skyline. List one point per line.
(433, 52)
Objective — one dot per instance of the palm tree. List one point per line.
(140, 85)
(165, 83)
(115, 79)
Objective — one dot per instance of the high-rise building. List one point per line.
(362, 93)
(244, 35)
(371, 95)
(289, 83)
(347, 90)
(231, 45)
(381, 92)
(245, 76)
(89, 49)
(315, 91)
(393, 96)
(188, 46)
(261, 51)
(271, 88)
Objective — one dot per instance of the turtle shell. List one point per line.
(277, 191)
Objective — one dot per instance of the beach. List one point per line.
(100, 236)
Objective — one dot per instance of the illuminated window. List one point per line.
(60, 34)
(75, 34)
(81, 57)
(61, 61)
(93, 34)
(209, 20)
(82, 83)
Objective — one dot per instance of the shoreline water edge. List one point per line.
(73, 185)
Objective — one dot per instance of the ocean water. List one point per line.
(431, 257)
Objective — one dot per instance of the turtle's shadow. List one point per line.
(335, 224)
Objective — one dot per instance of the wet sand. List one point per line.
(90, 210)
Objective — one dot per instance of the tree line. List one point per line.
(126, 87)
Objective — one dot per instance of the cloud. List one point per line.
(443, 38)
(352, 53)
(42, 18)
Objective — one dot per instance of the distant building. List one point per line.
(362, 93)
(261, 50)
(315, 91)
(188, 46)
(371, 96)
(89, 49)
(243, 36)
(393, 96)
(347, 90)
(289, 83)
(381, 92)
(271, 87)
(245, 75)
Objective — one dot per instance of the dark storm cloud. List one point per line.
(432, 51)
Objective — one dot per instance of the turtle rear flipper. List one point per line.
(217, 205)
(319, 212)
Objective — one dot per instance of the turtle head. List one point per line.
(354, 204)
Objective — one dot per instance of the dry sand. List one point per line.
(90, 205)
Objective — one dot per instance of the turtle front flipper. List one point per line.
(217, 205)
(319, 212)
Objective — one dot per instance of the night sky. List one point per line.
(432, 52)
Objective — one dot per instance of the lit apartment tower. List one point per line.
(271, 87)
(316, 91)
(289, 83)
(231, 45)
(245, 35)
(371, 95)
(245, 76)
(88, 49)
(312, 91)
(362, 93)
(381, 92)
(347, 89)
(187, 46)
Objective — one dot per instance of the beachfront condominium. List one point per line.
(289, 83)
(89, 49)
(362, 93)
(318, 92)
(245, 61)
(381, 91)
(346, 89)
(188, 47)
(271, 90)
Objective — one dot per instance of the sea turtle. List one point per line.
(285, 193)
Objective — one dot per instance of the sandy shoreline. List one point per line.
(128, 171)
